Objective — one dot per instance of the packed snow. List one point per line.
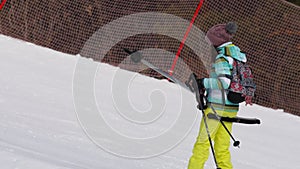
(40, 127)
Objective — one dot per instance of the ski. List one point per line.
(234, 119)
(137, 57)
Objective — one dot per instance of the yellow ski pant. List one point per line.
(221, 140)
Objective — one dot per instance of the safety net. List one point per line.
(269, 32)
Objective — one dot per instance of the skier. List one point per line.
(220, 37)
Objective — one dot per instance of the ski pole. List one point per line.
(235, 143)
(200, 106)
(209, 138)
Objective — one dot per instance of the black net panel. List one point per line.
(269, 31)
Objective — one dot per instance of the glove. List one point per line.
(248, 100)
(200, 83)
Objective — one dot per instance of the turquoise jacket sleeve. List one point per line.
(221, 68)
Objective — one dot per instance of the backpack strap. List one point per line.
(233, 51)
(228, 52)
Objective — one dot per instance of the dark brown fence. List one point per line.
(269, 31)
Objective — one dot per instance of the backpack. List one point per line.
(242, 83)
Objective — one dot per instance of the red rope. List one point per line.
(185, 36)
(2, 4)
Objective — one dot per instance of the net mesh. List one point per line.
(269, 32)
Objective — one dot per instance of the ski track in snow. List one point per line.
(39, 126)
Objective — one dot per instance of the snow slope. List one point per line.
(39, 126)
